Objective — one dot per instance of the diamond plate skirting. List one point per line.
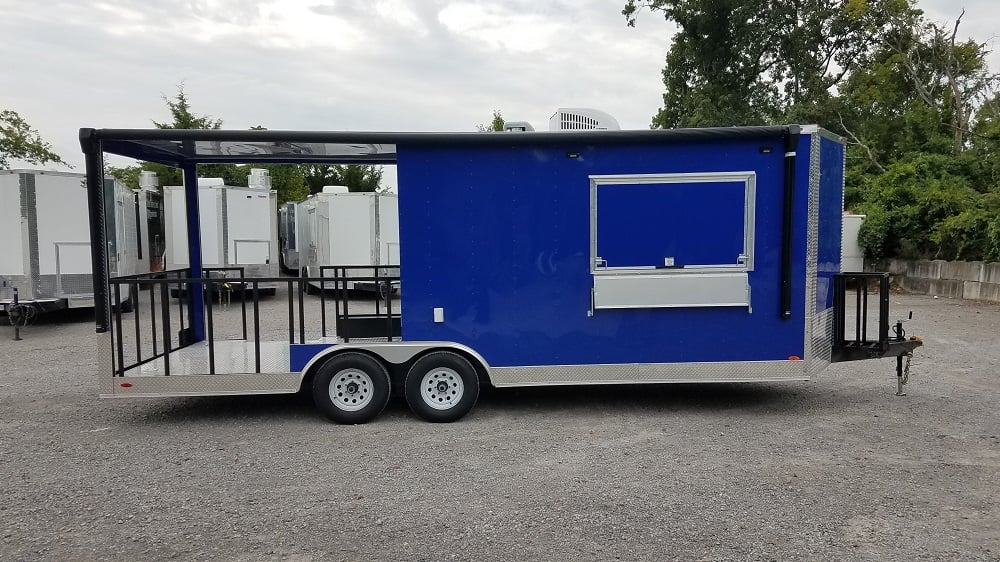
(822, 343)
(105, 364)
(812, 248)
(633, 373)
(205, 385)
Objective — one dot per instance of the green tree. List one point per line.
(923, 83)
(985, 141)
(736, 62)
(182, 117)
(18, 141)
(496, 124)
(357, 177)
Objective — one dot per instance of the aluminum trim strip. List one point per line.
(820, 131)
(631, 373)
(671, 290)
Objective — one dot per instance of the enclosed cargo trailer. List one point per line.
(532, 259)
(339, 228)
(238, 226)
(288, 236)
(46, 236)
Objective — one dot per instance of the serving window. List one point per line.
(672, 240)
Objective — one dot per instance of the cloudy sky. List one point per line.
(405, 65)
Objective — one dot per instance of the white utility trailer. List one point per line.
(239, 228)
(336, 227)
(852, 255)
(288, 236)
(45, 231)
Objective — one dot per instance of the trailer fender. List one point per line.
(397, 354)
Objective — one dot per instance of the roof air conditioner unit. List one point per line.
(147, 180)
(259, 179)
(517, 126)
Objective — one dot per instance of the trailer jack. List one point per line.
(20, 315)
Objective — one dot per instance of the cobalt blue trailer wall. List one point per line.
(500, 238)
(831, 206)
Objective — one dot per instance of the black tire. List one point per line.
(441, 386)
(334, 396)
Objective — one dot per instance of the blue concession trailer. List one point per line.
(526, 259)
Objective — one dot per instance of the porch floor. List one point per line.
(231, 357)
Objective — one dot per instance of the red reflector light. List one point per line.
(794, 358)
(126, 385)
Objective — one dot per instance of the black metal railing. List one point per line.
(159, 332)
(384, 282)
(861, 285)
(160, 328)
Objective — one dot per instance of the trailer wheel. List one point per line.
(351, 388)
(441, 386)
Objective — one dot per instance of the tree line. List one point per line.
(916, 102)
(19, 141)
(292, 182)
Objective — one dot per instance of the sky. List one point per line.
(376, 65)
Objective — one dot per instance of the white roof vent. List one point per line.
(582, 119)
(518, 126)
(147, 180)
(335, 189)
(210, 182)
(259, 178)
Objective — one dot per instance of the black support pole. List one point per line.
(788, 215)
(94, 157)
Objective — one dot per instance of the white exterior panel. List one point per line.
(12, 257)
(388, 232)
(852, 256)
(210, 219)
(175, 225)
(246, 211)
(239, 227)
(351, 236)
(348, 229)
(63, 225)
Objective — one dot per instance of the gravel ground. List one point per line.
(834, 469)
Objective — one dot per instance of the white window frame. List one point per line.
(689, 285)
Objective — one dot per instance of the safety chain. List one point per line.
(904, 377)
